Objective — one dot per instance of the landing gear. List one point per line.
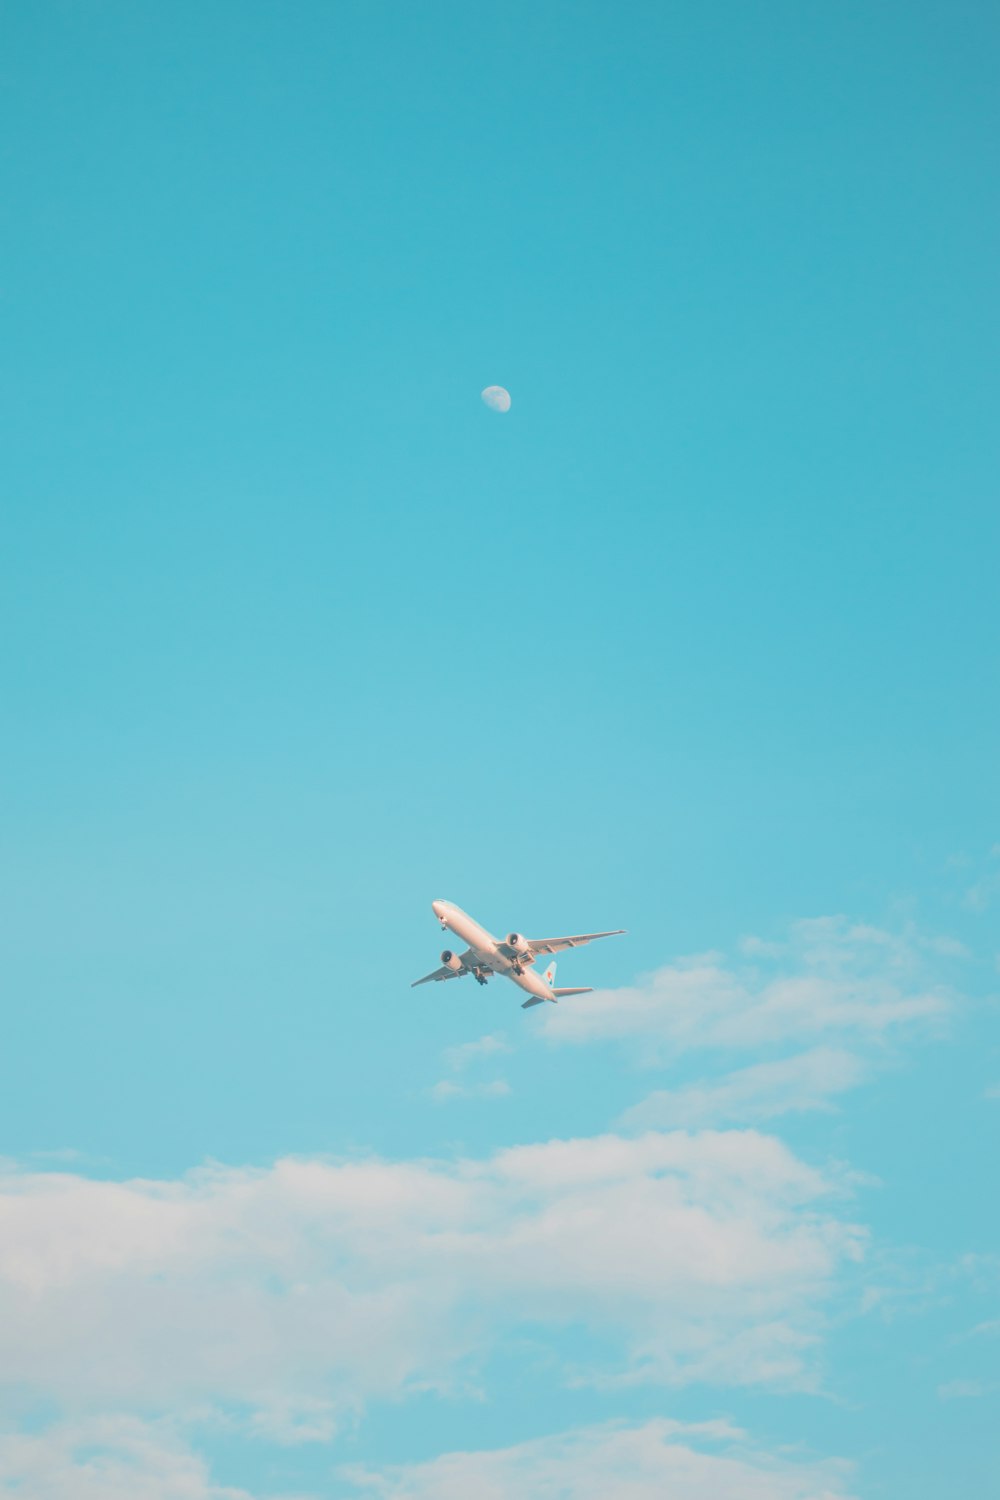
(479, 976)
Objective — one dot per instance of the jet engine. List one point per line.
(451, 960)
(518, 942)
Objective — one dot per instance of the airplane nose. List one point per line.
(437, 907)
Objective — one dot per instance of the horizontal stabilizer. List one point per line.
(588, 989)
(537, 1000)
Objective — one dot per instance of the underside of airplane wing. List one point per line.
(558, 945)
(446, 971)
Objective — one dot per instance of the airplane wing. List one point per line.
(557, 945)
(444, 972)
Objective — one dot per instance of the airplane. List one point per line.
(513, 957)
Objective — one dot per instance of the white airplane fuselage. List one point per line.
(488, 951)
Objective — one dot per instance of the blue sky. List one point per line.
(699, 639)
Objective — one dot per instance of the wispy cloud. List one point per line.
(447, 1089)
(828, 978)
(686, 1461)
(458, 1058)
(964, 1390)
(980, 896)
(465, 1056)
(807, 1081)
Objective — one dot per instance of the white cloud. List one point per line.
(630, 1462)
(808, 1081)
(829, 978)
(106, 1458)
(295, 1294)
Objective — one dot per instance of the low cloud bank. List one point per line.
(298, 1292)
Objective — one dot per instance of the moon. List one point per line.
(496, 398)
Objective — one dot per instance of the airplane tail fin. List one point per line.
(550, 979)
